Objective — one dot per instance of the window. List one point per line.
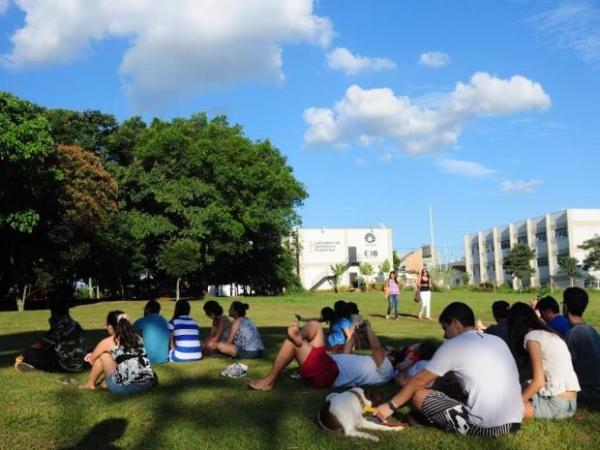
(522, 239)
(541, 237)
(489, 267)
(505, 244)
(542, 261)
(489, 247)
(561, 233)
(475, 250)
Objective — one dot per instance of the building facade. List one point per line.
(320, 248)
(552, 236)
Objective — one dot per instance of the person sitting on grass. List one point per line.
(486, 371)
(341, 330)
(500, 328)
(121, 358)
(221, 325)
(425, 351)
(244, 340)
(584, 344)
(321, 370)
(154, 330)
(552, 391)
(61, 349)
(550, 313)
(185, 335)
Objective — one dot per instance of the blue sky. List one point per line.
(488, 111)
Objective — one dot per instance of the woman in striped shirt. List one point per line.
(185, 335)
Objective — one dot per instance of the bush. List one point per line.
(484, 287)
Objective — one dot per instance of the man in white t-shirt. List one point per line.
(321, 370)
(486, 372)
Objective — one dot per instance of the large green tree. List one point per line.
(592, 246)
(517, 262)
(205, 181)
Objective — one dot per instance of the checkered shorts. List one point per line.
(453, 416)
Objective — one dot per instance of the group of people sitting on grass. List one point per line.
(122, 362)
(475, 383)
(534, 362)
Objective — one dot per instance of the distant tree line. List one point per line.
(139, 208)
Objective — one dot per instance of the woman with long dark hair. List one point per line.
(221, 325)
(244, 339)
(552, 392)
(392, 292)
(121, 358)
(424, 287)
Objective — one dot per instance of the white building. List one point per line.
(551, 236)
(320, 248)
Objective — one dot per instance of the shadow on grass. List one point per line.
(102, 435)
(382, 316)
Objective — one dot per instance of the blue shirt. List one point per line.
(560, 324)
(336, 334)
(155, 332)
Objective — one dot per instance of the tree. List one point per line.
(568, 266)
(384, 268)
(337, 271)
(396, 260)
(592, 259)
(517, 262)
(205, 181)
(366, 270)
(178, 259)
(443, 276)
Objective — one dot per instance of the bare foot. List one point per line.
(87, 386)
(260, 385)
(294, 334)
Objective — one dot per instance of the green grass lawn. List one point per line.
(195, 407)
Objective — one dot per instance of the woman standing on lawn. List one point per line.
(244, 340)
(392, 292)
(424, 291)
(121, 358)
(552, 392)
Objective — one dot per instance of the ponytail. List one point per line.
(125, 334)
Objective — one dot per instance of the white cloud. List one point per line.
(4, 4)
(434, 60)
(380, 114)
(464, 168)
(520, 186)
(572, 26)
(342, 59)
(177, 47)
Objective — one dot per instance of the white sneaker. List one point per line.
(387, 316)
(236, 370)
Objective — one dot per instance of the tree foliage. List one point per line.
(337, 271)
(592, 246)
(569, 267)
(84, 196)
(517, 262)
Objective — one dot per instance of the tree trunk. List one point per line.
(122, 289)
(98, 291)
(572, 282)
(90, 288)
(21, 299)
(177, 289)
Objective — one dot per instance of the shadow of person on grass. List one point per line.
(102, 435)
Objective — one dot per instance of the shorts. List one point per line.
(553, 407)
(131, 388)
(454, 417)
(319, 369)
(249, 354)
